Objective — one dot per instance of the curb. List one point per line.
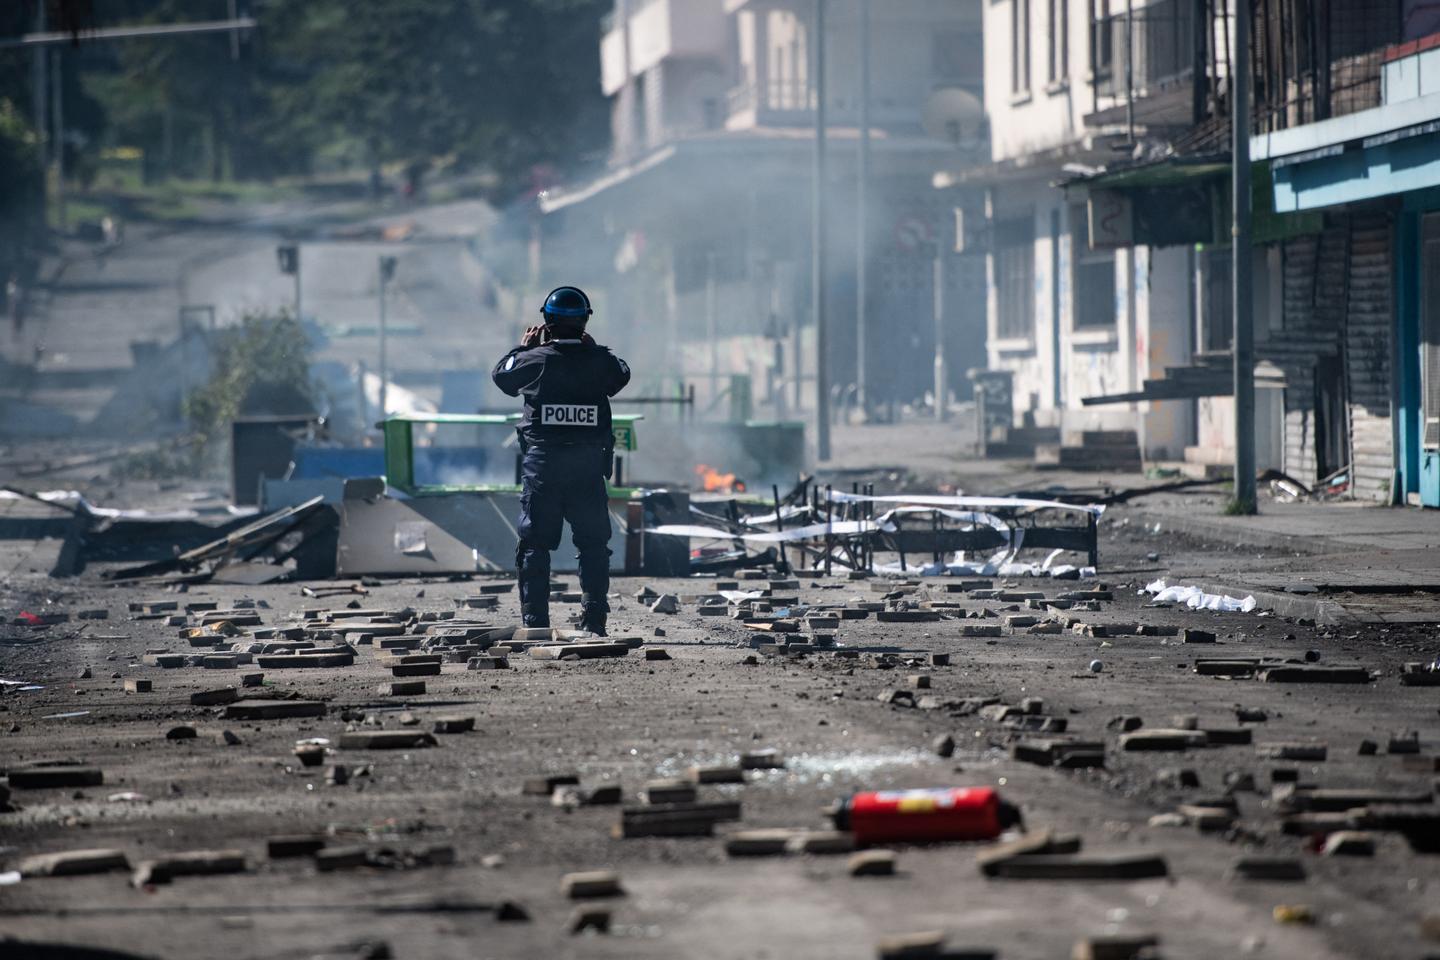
(1325, 613)
(1200, 526)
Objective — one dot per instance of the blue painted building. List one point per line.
(1381, 166)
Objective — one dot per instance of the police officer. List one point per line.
(567, 449)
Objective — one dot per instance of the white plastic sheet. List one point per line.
(1197, 599)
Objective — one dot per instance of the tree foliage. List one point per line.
(264, 354)
(493, 85)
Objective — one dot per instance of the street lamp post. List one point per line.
(288, 255)
(387, 272)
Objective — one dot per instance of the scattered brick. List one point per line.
(293, 845)
(872, 863)
(454, 724)
(545, 786)
(192, 863)
(593, 883)
(1291, 751)
(1267, 868)
(214, 698)
(716, 774)
(385, 740)
(70, 863)
(1083, 867)
(137, 685)
(668, 791)
(273, 709)
(1349, 843)
(49, 776)
(1161, 739)
(1116, 947)
(590, 918)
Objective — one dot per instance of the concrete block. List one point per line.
(137, 685)
(593, 883)
(70, 863)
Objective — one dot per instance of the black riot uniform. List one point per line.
(567, 453)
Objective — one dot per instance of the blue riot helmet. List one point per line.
(566, 305)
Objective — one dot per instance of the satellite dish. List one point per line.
(955, 116)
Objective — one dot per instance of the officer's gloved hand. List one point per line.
(533, 336)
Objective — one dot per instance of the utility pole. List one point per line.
(817, 248)
(712, 326)
(387, 271)
(1244, 345)
(57, 104)
(942, 374)
(40, 82)
(862, 230)
(288, 255)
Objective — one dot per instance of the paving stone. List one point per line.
(769, 759)
(666, 603)
(580, 651)
(716, 774)
(168, 661)
(1368, 748)
(907, 616)
(385, 740)
(229, 738)
(912, 946)
(1267, 868)
(294, 845)
(137, 685)
(872, 863)
(1291, 751)
(1162, 739)
(1021, 621)
(1349, 843)
(997, 712)
(1125, 723)
(943, 745)
(589, 918)
(189, 864)
(305, 661)
(918, 681)
(330, 859)
(1033, 843)
(1033, 705)
(1251, 715)
(656, 653)
(415, 670)
(674, 819)
(1298, 674)
(70, 863)
(50, 776)
(771, 842)
(821, 842)
(1070, 754)
(604, 795)
(1117, 947)
(488, 663)
(939, 659)
(1228, 736)
(1404, 742)
(1191, 635)
(273, 709)
(454, 724)
(1083, 867)
(897, 697)
(668, 791)
(981, 630)
(402, 688)
(592, 883)
(545, 786)
(214, 698)
(182, 732)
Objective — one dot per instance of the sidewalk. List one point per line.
(1347, 562)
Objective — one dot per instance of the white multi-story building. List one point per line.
(699, 227)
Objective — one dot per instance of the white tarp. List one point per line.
(1197, 599)
(977, 503)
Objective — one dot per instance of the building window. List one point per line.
(1216, 309)
(1020, 46)
(1015, 278)
(1102, 40)
(1059, 22)
(1094, 274)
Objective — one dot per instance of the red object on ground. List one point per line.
(925, 816)
(28, 617)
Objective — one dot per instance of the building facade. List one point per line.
(700, 226)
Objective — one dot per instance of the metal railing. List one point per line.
(1148, 49)
(778, 95)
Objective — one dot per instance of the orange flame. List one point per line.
(714, 481)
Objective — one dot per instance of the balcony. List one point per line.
(1156, 43)
(657, 30)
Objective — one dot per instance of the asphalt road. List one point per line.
(626, 721)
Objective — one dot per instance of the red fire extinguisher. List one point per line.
(925, 816)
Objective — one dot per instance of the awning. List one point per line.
(1213, 379)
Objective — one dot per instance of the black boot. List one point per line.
(592, 619)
